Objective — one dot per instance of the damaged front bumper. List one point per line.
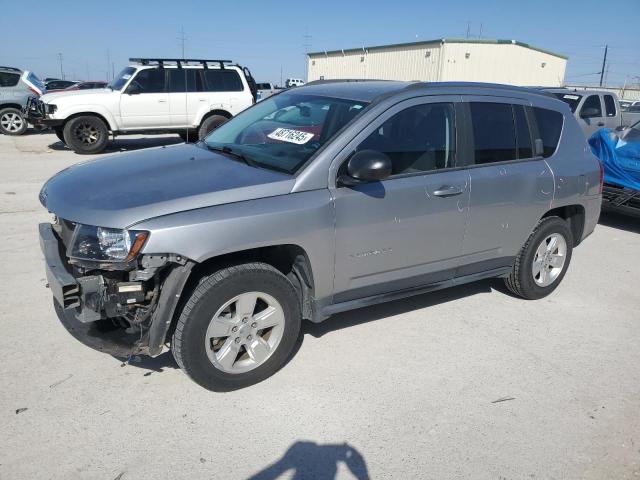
(122, 313)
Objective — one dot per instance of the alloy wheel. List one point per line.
(11, 122)
(244, 332)
(87, 133)
(549, 260)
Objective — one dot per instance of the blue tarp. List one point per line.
(621, 160)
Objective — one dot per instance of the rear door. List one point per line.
(186, 96)
(591, 114)
(407, 230)
(510, 185)
(149, 107)
(611, 113)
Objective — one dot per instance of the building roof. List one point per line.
(438, 41)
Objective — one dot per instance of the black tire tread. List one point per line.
(512, 282)
(201, 289)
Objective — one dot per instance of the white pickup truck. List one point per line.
(184, 96)
(595, 109)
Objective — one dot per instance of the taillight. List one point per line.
(601, 177)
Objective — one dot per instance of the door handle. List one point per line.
(448, 191)
(601, 124)
(162, 101)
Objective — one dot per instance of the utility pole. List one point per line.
(307, 43)
(468, 29)
(182, 40)
(281, 82)
(108, 64)
(61, 71)
(604, 62)
(480, 36)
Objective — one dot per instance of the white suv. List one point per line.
(188, 97)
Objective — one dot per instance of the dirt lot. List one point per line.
(464, 383)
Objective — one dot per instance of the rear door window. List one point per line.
(609, 106)
(591, 107)
(549, 124)
(185, 80)
(494, 132)
(218, 80)
(9, 79)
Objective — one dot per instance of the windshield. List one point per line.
(123, 77)
(570, 98)
(284, 131)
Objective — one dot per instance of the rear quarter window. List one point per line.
(9, 79)
(609, 106)
(549, 129)
(223, 81)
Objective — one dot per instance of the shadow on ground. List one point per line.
(351, 318)
(397, 307)
(309, 460)
(620, 221)
(124, 144)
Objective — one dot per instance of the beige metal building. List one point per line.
(497, 61)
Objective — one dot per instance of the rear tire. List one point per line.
(209, 124)
(59, 133)
(86, 134)
(223, 339)
(12, 122)
(543, 260)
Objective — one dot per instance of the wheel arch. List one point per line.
(289, 259)
(210, 113)
(11, 105)
(88, 114)
(575, 217)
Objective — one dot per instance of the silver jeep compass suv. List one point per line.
(317, 200)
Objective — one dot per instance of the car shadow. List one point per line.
(345, 320)
(304, 460)
(124, 144)
(397, 307)
(620, 221)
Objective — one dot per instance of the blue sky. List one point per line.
(268, 36)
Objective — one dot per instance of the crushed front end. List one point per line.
(106, 293)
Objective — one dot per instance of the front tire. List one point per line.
(543, 260)
(59, 133)
(238, 327)
(86, 134)
(12, 122)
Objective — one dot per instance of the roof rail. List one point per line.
(178, 61)
(11, 68)
(343, 80)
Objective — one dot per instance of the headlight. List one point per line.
(50, 108)
(106, 244)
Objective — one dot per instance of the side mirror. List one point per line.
(367, 166)
(589, 112)
(133, 89)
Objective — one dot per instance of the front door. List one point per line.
(145, 103)
(407, 230)
(590, 115)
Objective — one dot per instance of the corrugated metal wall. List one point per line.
(412, 63)
(501, 63)
(471, 62)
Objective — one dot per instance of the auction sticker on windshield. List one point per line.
(291, 136)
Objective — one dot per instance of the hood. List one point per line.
(50, 97)
(121, 190)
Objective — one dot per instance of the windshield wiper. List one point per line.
(229, 151)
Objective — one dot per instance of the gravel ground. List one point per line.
(464, 383)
